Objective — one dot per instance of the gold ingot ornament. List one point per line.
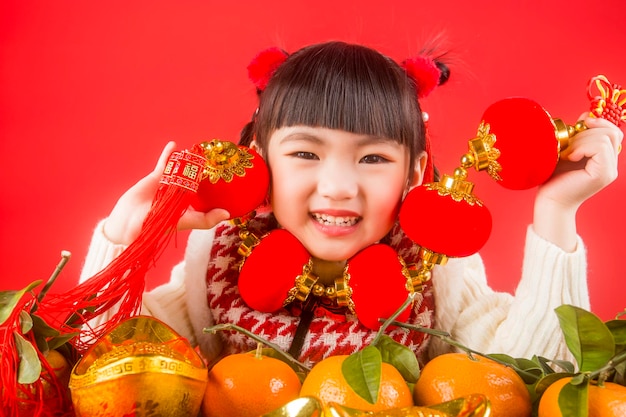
(141, 367)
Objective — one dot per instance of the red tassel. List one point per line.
(121, 283)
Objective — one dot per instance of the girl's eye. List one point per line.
(305, 155)
(374, 159)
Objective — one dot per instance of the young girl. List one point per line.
(341, 129)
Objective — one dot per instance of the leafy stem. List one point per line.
(227, 326)
(449, 340)
(392, 318)
(604, 372)
(65, 257)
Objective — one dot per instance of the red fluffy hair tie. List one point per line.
(426, 75)
(424, 72)
(263, 66)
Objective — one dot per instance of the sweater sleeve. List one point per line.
(522, 325)
(181, 303)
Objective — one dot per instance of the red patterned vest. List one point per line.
(328, 334)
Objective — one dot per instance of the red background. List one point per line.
(91, 91)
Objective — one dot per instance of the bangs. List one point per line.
(342, 86)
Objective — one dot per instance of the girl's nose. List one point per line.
(338, 181)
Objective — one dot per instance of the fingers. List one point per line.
(594, 152)
(198, 220)
(165, 155)
(600, 133)
(615, 134)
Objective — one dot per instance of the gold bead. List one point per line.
(467, 160)
(460, 173)
(330, 292)
(318, 290)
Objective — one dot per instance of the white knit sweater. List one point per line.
(522, 325)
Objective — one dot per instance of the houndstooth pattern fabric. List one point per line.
(329, 333)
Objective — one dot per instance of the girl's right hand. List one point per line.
(124, 223)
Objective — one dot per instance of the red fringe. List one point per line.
(46, 397)
(121, 284)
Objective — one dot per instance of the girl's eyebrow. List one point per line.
(372, 140)
(301, 136)
(364, 140)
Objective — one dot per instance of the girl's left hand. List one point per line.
(586, 166)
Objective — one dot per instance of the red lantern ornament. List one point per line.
(236, 179)
(378, 279)
(518, 143)
(458, 222)
(524, 134)
(265, 279)
(233, 186)
(527, 141)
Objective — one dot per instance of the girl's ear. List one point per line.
(255, 146)
(418, 170)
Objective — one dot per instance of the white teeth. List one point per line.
(335, 220)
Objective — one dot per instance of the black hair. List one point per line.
(343, 86)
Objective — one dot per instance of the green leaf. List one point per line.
(566, 366)
(573, 399)
(29, 368)
(26, 322)
(587, 337)
(548, 380)
(59, 341)
(43, 333)
(9, 299)
(618, 330)
(400, 357)
(502, 357)
(363, 370)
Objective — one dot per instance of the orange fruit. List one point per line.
(60, 365)
(249, 384)
(454, 375)
(326, 382)
(604, 401)
(55, 397)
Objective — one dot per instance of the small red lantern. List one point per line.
(235, 179)
(378, 288)
(271, 269)
(459, 223)
(526, 140)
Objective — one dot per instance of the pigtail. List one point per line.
(426, 73)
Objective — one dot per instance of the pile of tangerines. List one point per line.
(250, 385)
(255, 384)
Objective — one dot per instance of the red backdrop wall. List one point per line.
(90, 92)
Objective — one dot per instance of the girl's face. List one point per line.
(337, 192)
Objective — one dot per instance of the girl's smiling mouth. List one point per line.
(330, 220)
